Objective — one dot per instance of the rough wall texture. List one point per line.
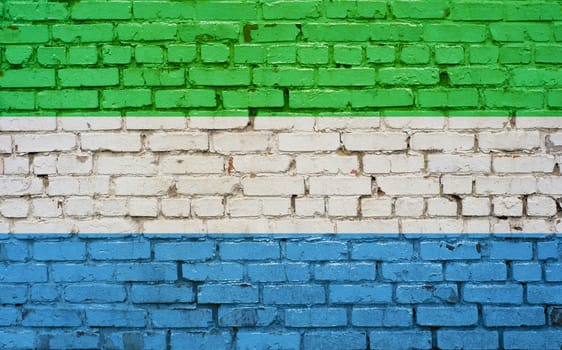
(222, 292)
(476, 163)
(261, 174)
(277, 57)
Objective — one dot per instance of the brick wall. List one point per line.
(281, 57)
(281, 292)
(256, 175)
(417, 119)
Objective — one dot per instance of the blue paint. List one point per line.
(299, 292)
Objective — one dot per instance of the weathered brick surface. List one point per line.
(292, 174)
(291, 292)
(248, 57)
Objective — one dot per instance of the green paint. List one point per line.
(272, 57)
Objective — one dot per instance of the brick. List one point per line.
(495, 294)
(184, 251)
(102, 10)
(331, 340)
(346, 77)
(190, 164)
(208, 185)
(108, 317)
(471, 33)
(142, 186)
(173, 317)
(530, 339)
(544, 294)
(12, 339)
(119, 250)
(94, 293)
(533, 11)
(353, 9)
(485, 271)
(36, 11)
(448, 98)
(415, 54)
(316, 251)
(24, 33)
(11, 186)
(23, 78)
(14, 251)
(513, 316)
(84, 185)
(111, 142)
(294, 294)
(18, 54)
(409, 207)
(527, 272)
(449, 54)
(478, 339)
(82, 55)
(474, 206)
(326, 164)
(317, 317)
(260, 340)
(506, 185)
(208, 31)
(408, 76)
(154, 77)
(76, 340)
(146, 31)
(345, 272)
(412, 272)
(149, 54)
(158, 10)
(249, 251)
(212, 272)
(90, 123)
(246, 316)
(17, 100)
(412, 9)
(400, 339)
(444, 163)
(519, 32)
(161, 142)
(340, 185)
(387, 141)
(511, 250)
(109, 164)
(464, 250)
(483, 54)
(46, 317)
(68, 99)
(226, 294)
(77, 77)
(513, 54)
(408, 185)
(260, 164)
(360, 294)
(316, 32)
(85, 33)
(422, 294)
(447, 315)
(264, 186)
(221, 340)
(381, 54)
(59, 251)
(552, 273)
(278, 272)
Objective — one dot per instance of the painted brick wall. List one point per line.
(281, 57)
(267, 175)
(275, 292)
(464, 76)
